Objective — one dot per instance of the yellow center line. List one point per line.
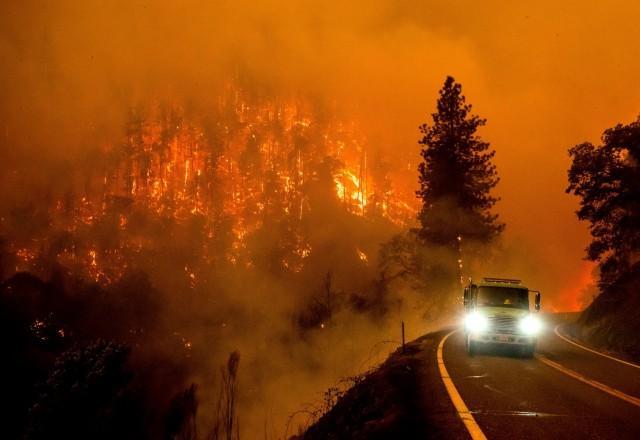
(557, 332)
(466, 416)
(602, 387)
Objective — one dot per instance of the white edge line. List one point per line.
(594, 383)
(630, 364)
(463, 411)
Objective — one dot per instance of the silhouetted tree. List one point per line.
(457, 175)
(181, 419)
(24, 351)
(86, 396)
(251, 169)
(133, 146)
(273, 244)
(607, 179)
(226, 423)
(321, 307)
(378, 202)
(400, 257)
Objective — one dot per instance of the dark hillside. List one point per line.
(612, 321)
(404, 398)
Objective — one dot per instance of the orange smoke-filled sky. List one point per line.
(546, 75)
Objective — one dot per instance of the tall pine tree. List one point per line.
(457, 175)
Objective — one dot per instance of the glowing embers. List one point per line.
(362, 256)
(105, 267)
(185, 343)
(26, 255)
(86, 212)
(92, 266)
(191, 277)
(302, 250)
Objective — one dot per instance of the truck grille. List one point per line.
(503, 324)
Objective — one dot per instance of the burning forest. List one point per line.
(248, 165)
(198, 226)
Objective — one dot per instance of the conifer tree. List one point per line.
(456, 175)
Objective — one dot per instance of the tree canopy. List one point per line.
(457, 174)
(607, 180)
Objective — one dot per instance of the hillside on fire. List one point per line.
(186, 240)
(238, 220)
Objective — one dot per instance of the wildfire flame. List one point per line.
(252, 161)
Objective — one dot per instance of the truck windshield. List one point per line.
(503, 297)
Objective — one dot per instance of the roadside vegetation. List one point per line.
(606, 178)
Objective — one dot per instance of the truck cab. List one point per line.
(498, 313)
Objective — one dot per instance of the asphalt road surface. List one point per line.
(564, 392)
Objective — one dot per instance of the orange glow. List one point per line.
(173, 170)
(552, 83)
(236, 151)
(575, 295)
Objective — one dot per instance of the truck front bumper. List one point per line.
(502, 338)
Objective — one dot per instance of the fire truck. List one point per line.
(497, 313)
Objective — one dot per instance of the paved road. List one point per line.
(515, 398)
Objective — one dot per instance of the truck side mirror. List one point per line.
(466, 297)
(537, 301)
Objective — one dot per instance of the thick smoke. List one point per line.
(544, 76)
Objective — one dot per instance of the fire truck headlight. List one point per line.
(475, 322)
(530, 325)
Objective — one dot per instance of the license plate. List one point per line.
(502, 338)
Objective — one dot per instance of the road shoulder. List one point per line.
(403, 398)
